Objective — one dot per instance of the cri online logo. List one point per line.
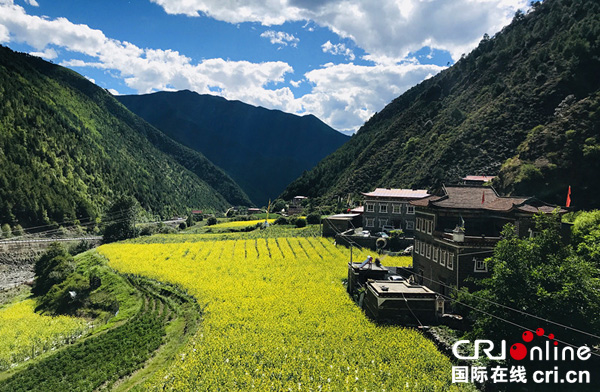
(519, 351)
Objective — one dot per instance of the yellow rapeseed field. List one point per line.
(277, 318)
(24, 333)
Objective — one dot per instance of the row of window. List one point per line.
(425, 225)
(370, 222)
(437, 255)
(396, 208)
(444, 257)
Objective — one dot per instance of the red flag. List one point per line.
(482, 197)
(569, 197)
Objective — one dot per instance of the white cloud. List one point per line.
(4, 34)
(113, 91)
(48, 54)
(346, 95)
(147, 70)
(338, 49)
(32, 3)
(383, 28)
(280, 38)
(90, 79)
(343, 95)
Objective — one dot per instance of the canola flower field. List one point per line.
(24, 333)
(277, 317)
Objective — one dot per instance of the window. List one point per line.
(422, 249)
(418, 224)
(382, 222)
(410, 225)
(370, 222)
(429, 227)
(480, 265)
(428, 251)
(417, 244)
(435, 254)
(370, 207)
(443, 259)
(383, 208)
(396, 208)
(410, 209)
(450, 261)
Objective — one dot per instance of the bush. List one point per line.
(300, 222)
(52, 268)
(148, 230)
(280, 221)
(81, 247)
(6, 232)
(211, 221)
(166, 229)
(18, 230)
(313, 219)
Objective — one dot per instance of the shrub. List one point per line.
(211, 221)
(300, 222)
(313, 219)
(6, 232)
(280, 221)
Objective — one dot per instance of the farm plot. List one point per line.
(25, 334)
(276, 317)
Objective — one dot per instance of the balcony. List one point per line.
(470, 240)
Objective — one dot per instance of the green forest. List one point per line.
(68, 148)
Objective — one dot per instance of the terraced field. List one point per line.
(277, 317)
(108, 359)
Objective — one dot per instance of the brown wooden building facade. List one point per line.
(454, 233)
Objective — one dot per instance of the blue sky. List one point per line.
(339, 60)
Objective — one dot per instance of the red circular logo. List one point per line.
(518, 351)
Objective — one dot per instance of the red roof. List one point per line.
(400, 193)
(485, 198)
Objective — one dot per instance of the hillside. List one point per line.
(262, 150)
(67, 147)
(523, 104)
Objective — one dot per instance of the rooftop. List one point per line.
(393, 288)
(342, 216)
(401, 193)
(484, 198)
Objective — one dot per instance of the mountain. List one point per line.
(523, 105)
(262, 150)
(67, 147)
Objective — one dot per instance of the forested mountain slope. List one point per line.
(67, 147)
(262, 150)
(523, 104)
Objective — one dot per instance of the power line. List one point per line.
(486, 300)
(514, 324)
